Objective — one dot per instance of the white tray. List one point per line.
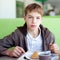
(29, 53)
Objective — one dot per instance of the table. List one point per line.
(10, 58)
(7, 58)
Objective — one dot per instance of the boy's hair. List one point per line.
(34, 7)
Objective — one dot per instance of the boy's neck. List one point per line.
(34, 33)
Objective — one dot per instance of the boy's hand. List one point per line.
(54, 48)
(16, 52)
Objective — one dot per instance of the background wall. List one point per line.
(51, 22)
(55, 4)
(7, 8)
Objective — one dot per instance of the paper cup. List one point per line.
(44, 57)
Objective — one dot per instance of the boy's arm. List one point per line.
(9, 41)
(16, 52)
(53, 46)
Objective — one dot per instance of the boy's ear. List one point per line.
(42, 19)
(24, 18)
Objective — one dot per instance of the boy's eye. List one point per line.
(38, 17)
(29, 17)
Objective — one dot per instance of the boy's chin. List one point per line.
(33, 29)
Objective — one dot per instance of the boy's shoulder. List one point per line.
(22, 29)
(46, 31)
(44, 28)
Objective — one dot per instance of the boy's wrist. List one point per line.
(7, 52)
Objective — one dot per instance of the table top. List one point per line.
(53, 57)
(7, 58)
(10, 58)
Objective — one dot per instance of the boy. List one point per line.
(32, 36)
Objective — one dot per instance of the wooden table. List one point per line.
(7, 58)
(10, 58)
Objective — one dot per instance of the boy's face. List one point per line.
(33, 20)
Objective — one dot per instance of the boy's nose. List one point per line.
(34, 20)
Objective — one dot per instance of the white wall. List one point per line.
(20, 0)
(30, 1)
(7, 8)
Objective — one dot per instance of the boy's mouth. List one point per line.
(33, 25)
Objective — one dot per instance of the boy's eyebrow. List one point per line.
(29, 15)
(32, 16)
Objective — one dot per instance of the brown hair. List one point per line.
(34, 7)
